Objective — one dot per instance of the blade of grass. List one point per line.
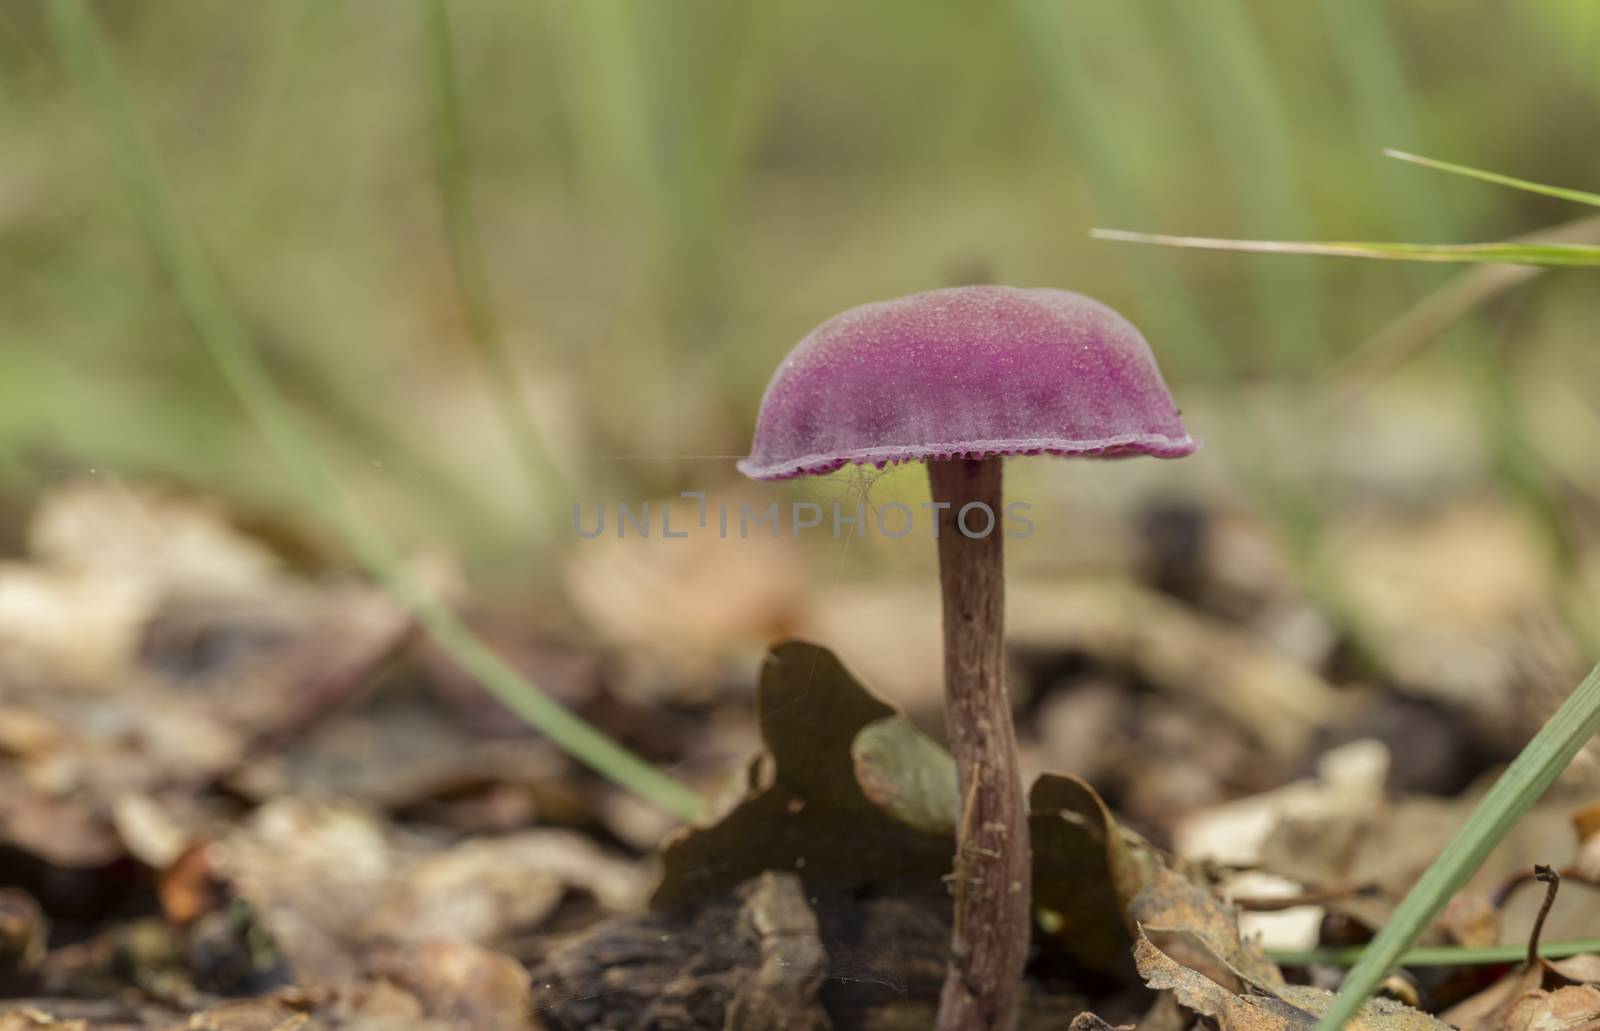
(215, 323)
(1549, 255)
(665, 106)
(452, 174)
(1375, 73)
(1561, 192)
(1455, 300)
(1077, 101)
(1247, 110)
(1437, 956)
(335, 396)
(1534, 770)
(1368, 50)
(1054, 36)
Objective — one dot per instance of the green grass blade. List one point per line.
(215, 323)
(1534, 770)
(1383, 108)
(1375, 72)
(1249, 112)
(452, 174)
(1549, 255)
(1436, 956)
(1052, 38)
(1560, 192)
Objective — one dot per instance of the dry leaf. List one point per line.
(1559, 1010)
(803, 810)
(906, 774)
(1266, 1007)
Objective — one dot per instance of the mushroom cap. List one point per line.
(966, 372)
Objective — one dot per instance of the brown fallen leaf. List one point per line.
(1087, 872)
(149, 650)
(803, 809)
(463, 985)
(1092, 1022)
(487, 890)
(1265, 1007)
(1584, 969)
(1172, 903)
(1586, 825)
(332, 882)
(851, 794)
(68, 625)
(1560, 1010)
(1489, 1009)
(1521, 1001)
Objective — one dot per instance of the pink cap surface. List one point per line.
(970, 371)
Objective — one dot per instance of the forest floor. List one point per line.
(239, 789)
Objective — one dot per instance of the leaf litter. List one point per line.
(237, 791)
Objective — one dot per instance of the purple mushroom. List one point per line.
(958, 378)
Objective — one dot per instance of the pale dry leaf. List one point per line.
(147, 830)
(331, 882)
(1171, 902)
(1297, 927)
(313, 873)
(1489, 1009)
(1279, 1007)
(79, 626)
(484, 890)
(35, 1020)
(169, 540)
(464, 985)
(1350, 781)
(1584, 969)
(1560, 1010)
(1586, 825)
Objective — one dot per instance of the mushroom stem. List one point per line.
(993, 864)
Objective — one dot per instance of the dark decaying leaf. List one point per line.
(1086, 871)
(753, 959)
(805, 811)
(770, 955)
(851, 793)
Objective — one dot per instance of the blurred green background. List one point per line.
(506, 254)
